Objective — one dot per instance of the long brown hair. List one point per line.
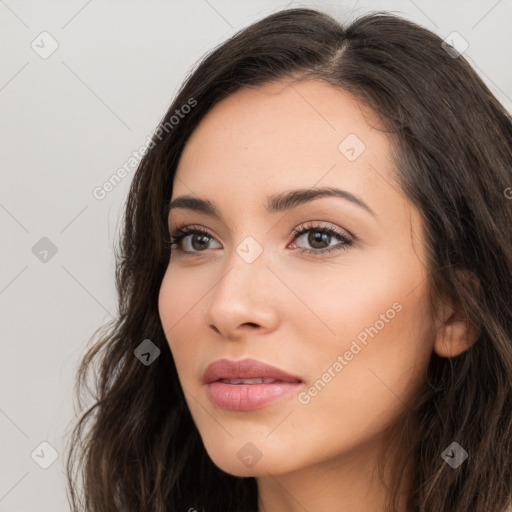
(137, 446)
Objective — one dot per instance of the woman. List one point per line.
(314, 285)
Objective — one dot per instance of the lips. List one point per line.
(240, 371)
(247, 384)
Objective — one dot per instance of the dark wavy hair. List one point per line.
(136, 446)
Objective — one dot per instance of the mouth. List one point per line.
(246, 371)
(257, 380)
(247, 384)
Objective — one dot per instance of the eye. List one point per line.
(319, 236)
(197, 239)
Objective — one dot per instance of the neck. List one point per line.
(348, 482)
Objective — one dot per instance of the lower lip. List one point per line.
(246, 397)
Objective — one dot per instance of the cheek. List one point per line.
(378, 323)
(180, 292)
(371, 291)
(177, 298)
(167, 303)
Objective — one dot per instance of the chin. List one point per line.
(248, 459)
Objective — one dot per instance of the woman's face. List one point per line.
(352, 324)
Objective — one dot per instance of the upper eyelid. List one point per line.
(314, 209)
(322, 224)
(304, 226)
(300, 230)
(307, 224)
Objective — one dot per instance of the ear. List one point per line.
(454, 333)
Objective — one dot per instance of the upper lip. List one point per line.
(245, 369)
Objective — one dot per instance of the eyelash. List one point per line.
(345, 242)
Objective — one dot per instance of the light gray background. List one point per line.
(68, 122)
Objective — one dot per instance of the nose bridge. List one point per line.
(245, 266)
(238, 296)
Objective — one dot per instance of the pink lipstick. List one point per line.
(247, 384)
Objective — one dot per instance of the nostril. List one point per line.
(252, 324)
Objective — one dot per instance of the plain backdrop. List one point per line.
(82, 86)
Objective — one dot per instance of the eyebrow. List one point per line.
(275, 203)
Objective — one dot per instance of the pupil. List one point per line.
(318, 237)
(202, 239)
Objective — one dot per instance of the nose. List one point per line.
(243, 299)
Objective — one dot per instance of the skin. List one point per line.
(299, 311)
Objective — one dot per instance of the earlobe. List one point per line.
(455, 335)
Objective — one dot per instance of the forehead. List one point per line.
(284, 135)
